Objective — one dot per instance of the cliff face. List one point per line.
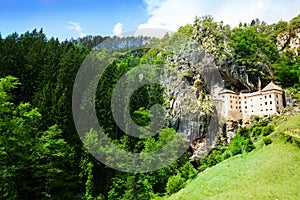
(192, 77)
(209, 61)
(289, 41)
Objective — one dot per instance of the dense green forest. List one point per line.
(42, 156)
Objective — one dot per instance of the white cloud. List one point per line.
(171, 14)
(118, 28)
(76, 27)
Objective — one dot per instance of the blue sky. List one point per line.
(70, 18)
(74, 18)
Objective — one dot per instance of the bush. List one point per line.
(285, 137)
(174, 184)
(290, 139)
(297, 141)
(256, 131)
(243, 131)
(226, 155)
(188, 171)
(203, 167)
(267, 130)
(267, 141)
(264, 122)
(256, 118)
(240, 144)
(247, 145)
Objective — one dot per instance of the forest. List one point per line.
(42, 155)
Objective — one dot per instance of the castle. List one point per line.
(241, 106)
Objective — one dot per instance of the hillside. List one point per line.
(48, 125)
(269, 172)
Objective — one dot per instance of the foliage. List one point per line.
(241, 143)
(188, 171)
(174, 184)
(256, 131)
(41, 153)
(267, 141)
(274, 165)
(34, 163)
(258, 175)
(267, 130)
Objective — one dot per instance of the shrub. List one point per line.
(240, 144)
(188, 171)
(256, 131)
(247, 145)
(203, 167)
(285, 137)
(264, 122)
(243, 131)
(267, 130)
(174, 184)
(297, 141)
(267, 141)
(226, 155)
(256, 118)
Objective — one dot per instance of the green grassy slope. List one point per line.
(270, 172)
(291, 126)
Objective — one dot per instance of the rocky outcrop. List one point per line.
(289, 41)
(191, 77)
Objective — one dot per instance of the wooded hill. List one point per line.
(42, 156)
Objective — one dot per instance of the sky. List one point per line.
(76, 18)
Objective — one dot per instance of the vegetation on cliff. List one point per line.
(41, 152)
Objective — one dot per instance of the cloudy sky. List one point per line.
(75, 18)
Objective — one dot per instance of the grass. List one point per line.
(291, 127)
(269, 172)
(292, 123)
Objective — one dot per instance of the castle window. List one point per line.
(230, 96)
(270, 102)
(266, 109)
(223, 96)
(266, 103)
(277, 103)
(230, 101)
(240, 107)
(230, 106)
(251, 105)
(270, 96)
(260, 104)
(251, 99)
(236, 107)
(260, 98)
(261, 110)
(271, 109)
(245, 102)
(265, 97)
(240, 110)
(252, 111)
(245, 107)
(277, 95)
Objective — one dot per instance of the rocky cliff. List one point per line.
(289, 41)
(214, 59)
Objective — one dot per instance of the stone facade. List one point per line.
(241, 106)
